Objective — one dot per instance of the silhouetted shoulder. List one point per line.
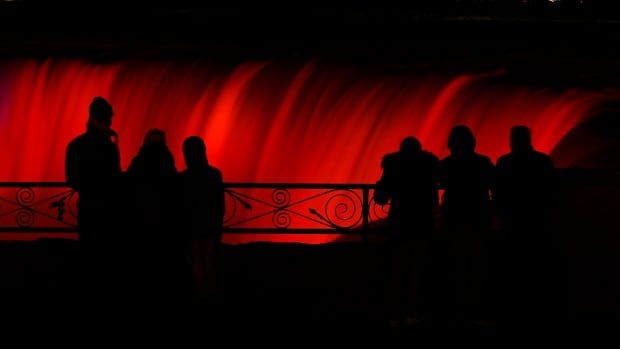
(389, 160)
(215, 171)
(502, 160)
(485, 160)
(428, 156)
(445, 160)
(77, 141)
(543, 158)
(77, 144)
(214, 174)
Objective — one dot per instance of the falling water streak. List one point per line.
(267, 121)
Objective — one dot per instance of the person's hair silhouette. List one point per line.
(461, 140)
(154, 158)
(410, 145)
(195, 152)
(155, 136)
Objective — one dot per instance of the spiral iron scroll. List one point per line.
(281, 197)
(281, 219)
(343, 209)
(24, 197)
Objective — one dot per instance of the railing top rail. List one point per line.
(564, 172)
(299, 185)
(227, 184)
(34, 184)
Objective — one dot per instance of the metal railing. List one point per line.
(253, 208)
(273, 208)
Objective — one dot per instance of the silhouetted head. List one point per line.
(461, 140)
(410, 145)
(154, 136)
(194, 152)
(520, 138)
(100, 111)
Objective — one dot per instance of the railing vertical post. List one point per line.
(365, 213)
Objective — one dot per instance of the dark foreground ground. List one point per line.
(313, 290)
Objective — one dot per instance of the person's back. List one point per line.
(203, 198)
(156, 244)
(409, 179)
(524, 197)
(466, 181)
(409, 183)
(92, 158)
(151, 176)
(524, 182)
(467, 178)
(204, 192)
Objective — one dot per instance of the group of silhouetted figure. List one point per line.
(517, 190)
(149, 234)
(171, 222)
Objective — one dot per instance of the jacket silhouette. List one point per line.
(157, 251)
(409, 181)
(467, 178)
(203, 197)
(524, 197)
(93, 169)
(524, 183)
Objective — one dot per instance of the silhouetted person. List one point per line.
(93, 169)
(409, 181)
(524, 197)
(204, 201)
(524, 184)
(157, 241)
(467, 178)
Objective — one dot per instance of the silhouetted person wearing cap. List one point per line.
(409, 182)
(155, 196)
(204, 204)
(93, 169)
(524, 197)
(467, 178)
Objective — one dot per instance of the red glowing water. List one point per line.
(266, 121)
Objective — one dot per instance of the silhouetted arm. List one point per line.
(382, 191)
(221, 195)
